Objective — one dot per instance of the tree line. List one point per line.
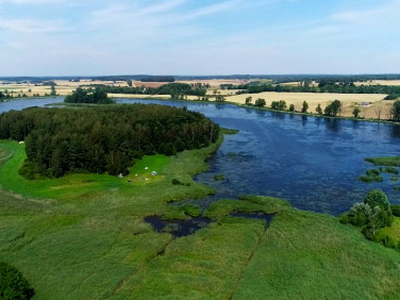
(174, 89)
(324, 86)
(102, 139)
(96, 96)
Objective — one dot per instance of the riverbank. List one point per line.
(97, 245)
(86, 237)
(346, 114)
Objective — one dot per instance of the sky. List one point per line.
(187, 37)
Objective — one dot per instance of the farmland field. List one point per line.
(313, 99)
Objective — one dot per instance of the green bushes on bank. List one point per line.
(371, 215)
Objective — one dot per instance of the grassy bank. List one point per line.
(83, 237)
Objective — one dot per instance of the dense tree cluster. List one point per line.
(102, 139)
(260, 102)
(96, 96)
(371, 215)
(157, 79)
(392, 97)
(333, 109)
(278, 105)
(175, 89)
(13, 284)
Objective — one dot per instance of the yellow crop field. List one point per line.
(349, 101)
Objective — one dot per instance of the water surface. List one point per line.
(312, 162)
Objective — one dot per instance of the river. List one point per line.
(312, 162)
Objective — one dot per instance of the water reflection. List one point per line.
(332, 124)
(395, 131)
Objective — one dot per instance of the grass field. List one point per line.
(83, 237)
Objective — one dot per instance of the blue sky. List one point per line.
(186, 37)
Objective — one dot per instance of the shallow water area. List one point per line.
(254, 215)
(178, 228)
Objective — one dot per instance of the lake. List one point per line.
(312, 162)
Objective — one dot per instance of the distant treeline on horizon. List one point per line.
(171, 78)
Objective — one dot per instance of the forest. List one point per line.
(102, 139)
(96, 96)
(174, 89)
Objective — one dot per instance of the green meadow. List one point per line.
(83, 237)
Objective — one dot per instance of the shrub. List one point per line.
(371, 215)
(395, 210)
(333, 109)
(176, 182)
(358, 214)
(377, 198)
(260, 102)
(13, 285)
(305, 107)
(278, 105)
(356, 112)
(319, 109)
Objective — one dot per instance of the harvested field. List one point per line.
(141, 96)
(349, 101)
(379, 82)
(216, 82)
(148, 84)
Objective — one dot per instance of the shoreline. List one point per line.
(263, 108)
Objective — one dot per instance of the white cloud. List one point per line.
(34, 26)
(32, 2)
(385, 11)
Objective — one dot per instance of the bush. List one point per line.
(358, 214)
(278, 105)
(377, 198)
(395, 210)
(176, 182)
(371, 215)
(333, 109)
(13, 285)
(260, 102)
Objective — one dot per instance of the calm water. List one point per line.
(312, 162)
